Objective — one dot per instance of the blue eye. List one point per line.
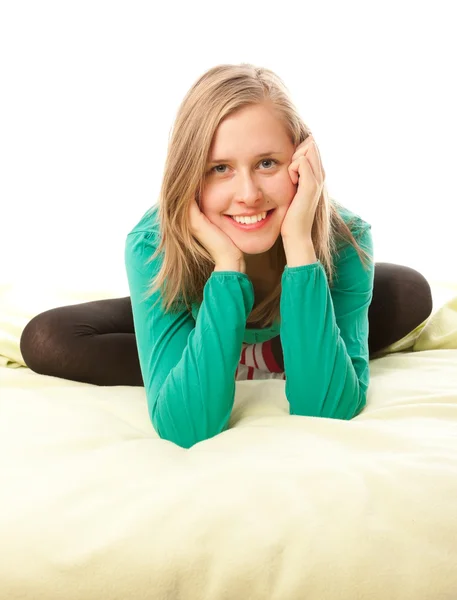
(269, 160)
(213, 170)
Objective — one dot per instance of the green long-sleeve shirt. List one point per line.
(188, 359)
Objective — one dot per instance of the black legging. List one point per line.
(94, 342)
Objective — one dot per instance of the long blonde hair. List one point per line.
(186, 264)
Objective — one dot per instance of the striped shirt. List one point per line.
(257, 362)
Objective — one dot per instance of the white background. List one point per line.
(89, 93)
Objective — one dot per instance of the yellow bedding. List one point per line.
(94, 505)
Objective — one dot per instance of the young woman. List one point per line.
(245, 269)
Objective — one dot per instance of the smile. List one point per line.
(252, 226)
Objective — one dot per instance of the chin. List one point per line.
(259, 248)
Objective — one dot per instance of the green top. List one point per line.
(188, 359)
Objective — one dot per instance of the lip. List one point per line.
(252, 226)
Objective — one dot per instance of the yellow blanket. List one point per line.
(94, 505)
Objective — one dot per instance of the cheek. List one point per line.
(211, 205)
(208, 201)
(284, 190)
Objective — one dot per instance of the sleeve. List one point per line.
(324, 334)
(188, 366)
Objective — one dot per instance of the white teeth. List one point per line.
(253, 219)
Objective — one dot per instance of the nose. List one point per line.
(247, 190)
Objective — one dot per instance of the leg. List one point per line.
(402, 300)
(93, 342)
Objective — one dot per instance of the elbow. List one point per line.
(361, 405)
(183, 439)
(182, 432)
(166, 429)
(163, 422)
(343, 411)
(352, 401)
(353, 409)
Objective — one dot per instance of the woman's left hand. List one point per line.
(305, 169)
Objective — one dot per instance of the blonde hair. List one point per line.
(186, 264)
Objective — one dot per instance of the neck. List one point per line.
(266, 262)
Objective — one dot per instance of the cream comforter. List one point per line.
(94, 506)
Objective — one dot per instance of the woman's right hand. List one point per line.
(223, 250)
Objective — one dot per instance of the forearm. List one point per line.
(320, 378)
(193, 401)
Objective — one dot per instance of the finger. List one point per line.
(303, 150)
(294, 169)
(302, 147)
(320, 161)
(312, 154)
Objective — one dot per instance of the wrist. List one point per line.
(231, 265)
(299, 252)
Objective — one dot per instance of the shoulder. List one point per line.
(350, 273)
(353, 220)
(143, 238)
(148, 224)
(359, 227)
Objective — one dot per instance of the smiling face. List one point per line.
(239, 180)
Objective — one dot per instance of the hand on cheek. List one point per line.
(306, 172)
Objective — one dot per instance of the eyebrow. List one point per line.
(210, 162)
